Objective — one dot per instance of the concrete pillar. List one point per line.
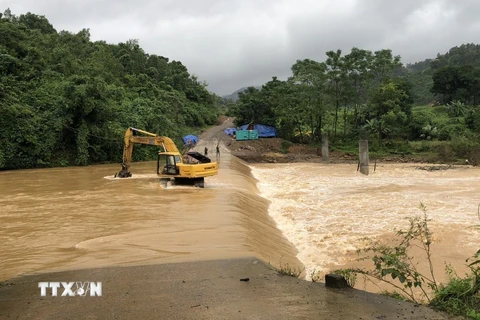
(363, 156)
(325, 148)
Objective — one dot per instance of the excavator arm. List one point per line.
(131, 137)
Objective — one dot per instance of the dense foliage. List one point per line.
(339, 96)
(372, 95)
(67, 100)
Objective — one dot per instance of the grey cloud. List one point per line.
(235, 43)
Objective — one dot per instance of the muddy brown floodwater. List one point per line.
(82, 217)
(314, 218)
(327, 210)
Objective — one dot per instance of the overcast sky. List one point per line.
(235, 43)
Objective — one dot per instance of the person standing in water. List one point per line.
(218, 151)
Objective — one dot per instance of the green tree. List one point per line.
(391, 105)
(310, 78)
(457, 83)
(67, 100)
(383, 64)
(336, 79)
(358, 63)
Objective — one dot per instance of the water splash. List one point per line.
(326, 210)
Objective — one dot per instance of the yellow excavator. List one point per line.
(171, 167)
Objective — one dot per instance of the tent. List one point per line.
(230, 131)
(264, 131)
(190, 139)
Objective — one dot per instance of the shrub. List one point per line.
(449, 131)
(456, 108)
(459, 295)
(445, 152)
(394, 265)
(421, 146)
(418, 121)
(285, 146)
(472, 120)
(399, 147)
(287, 270)
(463, 147)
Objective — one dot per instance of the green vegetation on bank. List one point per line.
(396, 265)
(429, 108)
(66, 100)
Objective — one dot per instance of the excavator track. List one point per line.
(199, 182)
(196, 182)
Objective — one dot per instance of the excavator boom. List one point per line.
(170, 161)
(131, 137)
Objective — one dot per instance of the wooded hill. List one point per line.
(234, 96)
(66, 100)
(450, 64)
(373, 95)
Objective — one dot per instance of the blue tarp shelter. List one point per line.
(230, 131)
(264, 131)
(190, 139)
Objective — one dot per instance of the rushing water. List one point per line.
(326, 210)
(82, 217)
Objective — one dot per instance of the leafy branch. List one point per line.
(394, 265)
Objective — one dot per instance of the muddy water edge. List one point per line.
(327, 210)
(314, 219)
(81, 217)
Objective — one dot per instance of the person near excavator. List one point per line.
(206, 151)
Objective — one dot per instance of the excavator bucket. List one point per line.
(124, 173)
(200, 157)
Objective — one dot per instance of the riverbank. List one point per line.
(148, 227)
(278, 150)
(221, 289)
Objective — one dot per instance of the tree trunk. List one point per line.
(320, 124)
(355, 116)
(312, 125)
(318, 131)
(337, 103)
(335, 121)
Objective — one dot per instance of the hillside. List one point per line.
(234, 96)
(421, 73)
(66, 100)
(463, 55)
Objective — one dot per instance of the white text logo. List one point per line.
(71, 289)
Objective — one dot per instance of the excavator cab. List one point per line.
(167, 163)
(170, 165)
